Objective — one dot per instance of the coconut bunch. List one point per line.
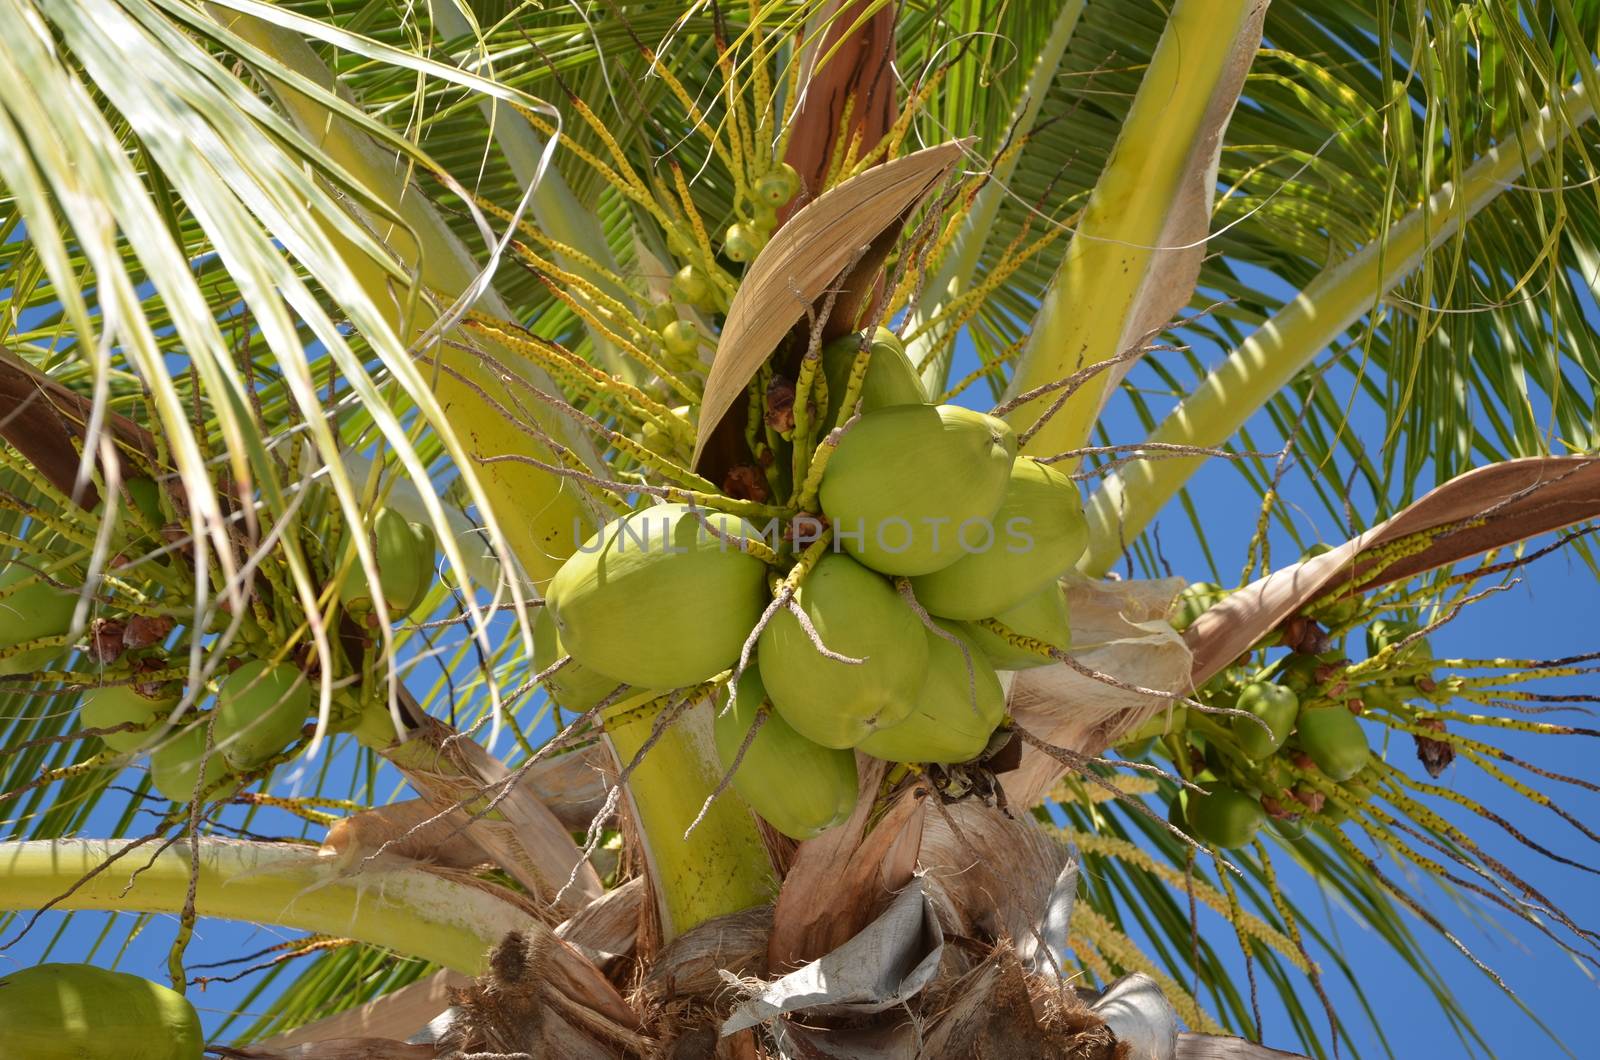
(1281, 742)
(137, 697)
(924, 559)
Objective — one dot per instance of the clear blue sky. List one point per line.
(1548, 615)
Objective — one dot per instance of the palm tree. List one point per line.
(297, 290)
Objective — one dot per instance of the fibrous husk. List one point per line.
(993, 877)
(857, 868)
(1119, 629)
(543, 998)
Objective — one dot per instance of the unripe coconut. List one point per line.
(1333, 738)
(657, 600)
(692, 286)
(404, 552)
(799, 787)
(1195, 599)
(904, 480)
(681, 338)
(105, 708)
(858, 614)
(1042, 617)
(742, 243)
(657, 440)
(660, 315)
(1299, 673)
(1038, 533)
(80, 1012)
(1275, 704)
(778, 186)
(574, 686)
(261, 708)
(891, 378)
(954, 716)
(1383, 632)
(176, 763)
(1387, 695)
(30, 608)
(1224, 816)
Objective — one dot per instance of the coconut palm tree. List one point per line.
(336, 329)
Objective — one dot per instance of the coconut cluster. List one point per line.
(261, 707)
(884, 620)
(1302, 739)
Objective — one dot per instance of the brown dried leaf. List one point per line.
(399, 1014)
(806, 256)
(45, 422)
(841, 879)
(1216, 1047)
(1507, 502)
(522, 835)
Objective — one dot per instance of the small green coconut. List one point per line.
(777, 186)
(1224, 816)
(1195, 599)
(106, 708)
(574, 686)
(858, 614)
(799, 787)
(1043, 617)
(80, 1012)
(261, 708)
(955, 713)
(1039, 533)
(1383, 632)
(175, 765)
(890, 380)
(908, 483)
(30, 609)
(1274, 704)
(404, 552)
(1334, 739)
(657, 600)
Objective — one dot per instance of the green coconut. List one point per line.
(261, 708)
(1224, 816)
(777, 186)
(1383, 632)
(907, 481)
(175, 764)
(799, 787)
(1195, 599)
(1387, 695)
(655, 438)
(657, 600)
(1038, 534)
(954, 715)
(858, 614)
(404, 552)
(30, 609)
(890, 380)
(1043, 617)
(1335, 741)
(1274, 704)
(80, 1012)
(106, 708)
(574, 686)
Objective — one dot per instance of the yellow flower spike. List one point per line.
(1122, 951)
(1113, 846)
